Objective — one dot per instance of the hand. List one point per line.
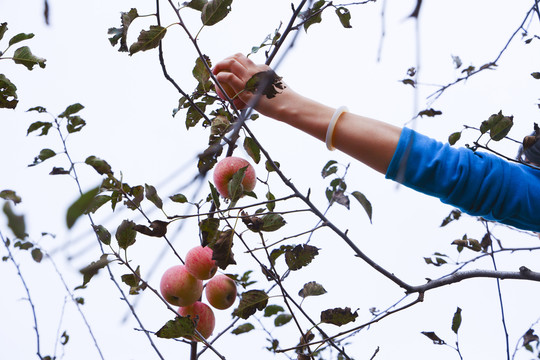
(233, 73)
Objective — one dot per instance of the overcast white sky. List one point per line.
(128, 111)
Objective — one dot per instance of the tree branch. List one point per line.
(523, 274)
(29, 298)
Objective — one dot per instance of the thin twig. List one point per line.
(28, 297)
(419, 299)
(109, 270)
(488, 65)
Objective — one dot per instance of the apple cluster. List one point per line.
(182, 285)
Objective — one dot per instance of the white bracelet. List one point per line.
(330, 131)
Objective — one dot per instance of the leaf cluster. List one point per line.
(336, 191)
(23, 56)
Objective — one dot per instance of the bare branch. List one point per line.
(29, 298)
(523, 274)
(490, 64)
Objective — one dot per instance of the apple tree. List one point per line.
(258, 232)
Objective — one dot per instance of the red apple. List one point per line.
(226, 168)
(203, 315)
(221, 292)
(199, 263)
(179, 287)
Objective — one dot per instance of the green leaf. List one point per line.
(120, 34)
(271, 205)
(312, 289)
(10, 195)
(43, 125)
(125, 234)
(222, 249)
(193, 114)
(252, 149)
(70, 110)
(80, 206)
(364, 202)
(74, 124)
(178, 198)
(272, 310)
(282, 319)
(37, 255)
(196, 4)
(272, 222)
(236, 190)
(276, 253)
(44, 154)
(39, 109)
(148, 39)
(23, 245)
(433, 337)
(3, 29)
(209, 230)
(137, 195)
(338, 316)
(454, 137)
(329, 169)
(152, 195)
(456, 320)
(96, 203)
(64, 338)
(220, 126)
(20, 37)
(300, 256)
(269, 79)
(133, 281)
(439, 261)
(344, 17)
(250, 302)
(313, 15)
(454, 215)
(201, 73)
(469, 243)
(24, 56)
(498, 126)
(269, 166)
(158, 228)
(268, 41)
(409, 82)
(15, 222)
(89, 271)
(501, 128)
(244, 328)
(179, 327)
(103, 234)
(101, 166)
(8, 93)
(214, 11)
(430, 113)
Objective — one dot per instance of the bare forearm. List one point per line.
(371, 141)
(368, 140)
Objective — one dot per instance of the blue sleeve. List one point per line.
(478, 183)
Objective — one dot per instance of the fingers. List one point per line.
(240, 65)
(230, 64)
(234, 72)
(226, 77)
